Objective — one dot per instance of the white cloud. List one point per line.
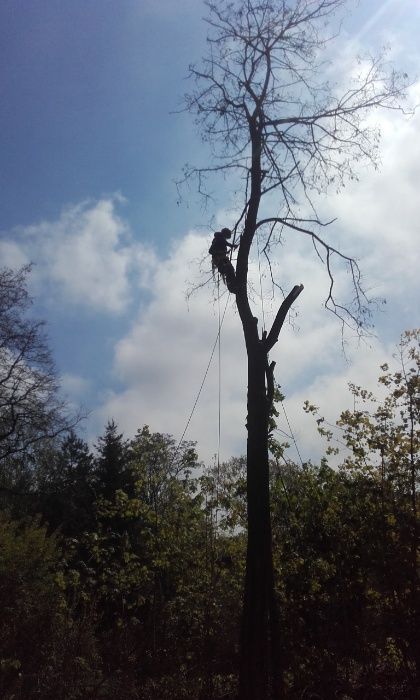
(11, 255)
(328, 389)
(87, 257)
(74, 386)
(379, 216)
(374, 19)
(163, 359)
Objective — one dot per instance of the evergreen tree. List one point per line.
(65, 479)
(113, 463)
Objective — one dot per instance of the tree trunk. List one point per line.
(257, 641)
(261, 664)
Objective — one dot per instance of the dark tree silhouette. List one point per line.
(65, 481)
(31, 409)
(272, 121)
(113, 463)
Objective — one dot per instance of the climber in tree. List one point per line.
(220, 260)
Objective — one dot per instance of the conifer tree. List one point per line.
(113, 463)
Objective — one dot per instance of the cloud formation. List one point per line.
(378, 216)
(162, 360)
(88, 257)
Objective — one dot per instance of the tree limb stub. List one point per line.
(273, 335)
(269, 373)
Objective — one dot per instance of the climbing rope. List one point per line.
(215, 344)
(291, 432)
(219, 374)
(261, 289)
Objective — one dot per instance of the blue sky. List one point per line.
(91, 144)
(87, 91)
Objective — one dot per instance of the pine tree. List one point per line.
(112, 463)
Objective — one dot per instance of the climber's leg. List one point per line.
(229, 276)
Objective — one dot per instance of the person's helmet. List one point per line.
(226, 232)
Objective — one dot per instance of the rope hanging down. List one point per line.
(217, 343)
(204, 378)
(261, 289)
(219, 376)
(291, 432)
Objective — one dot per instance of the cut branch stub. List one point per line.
(273, 335)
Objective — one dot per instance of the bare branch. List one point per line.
(263, 106)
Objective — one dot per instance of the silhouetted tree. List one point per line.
(65, 482)
(113, 463)
(261, 102)
(31, 409)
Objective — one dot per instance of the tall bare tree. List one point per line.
(278, 127)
